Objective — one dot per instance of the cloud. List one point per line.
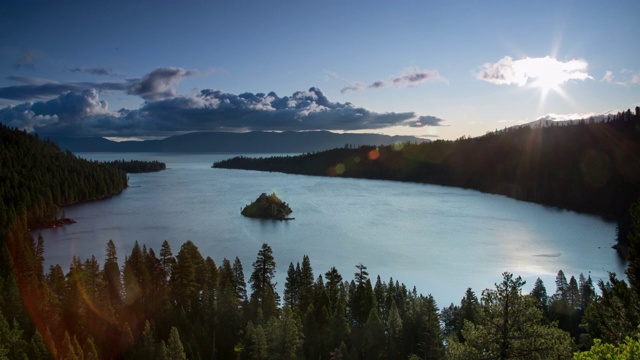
(520, 72)
(209, 110)
(36, 89)
(629, 77)
(428, 121)
(608, 77)
(409, 77)
(415, 75)
(214, 110)
(65, 112)
(26, 61)
(156, 85)
(352, 87)
(93, 71)
(159, 83)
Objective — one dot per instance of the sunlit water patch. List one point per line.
(440, 239)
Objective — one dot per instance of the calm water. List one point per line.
(440, 239)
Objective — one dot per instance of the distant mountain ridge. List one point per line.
(552, 120)
(250, 142)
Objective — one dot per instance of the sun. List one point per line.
(546, 74)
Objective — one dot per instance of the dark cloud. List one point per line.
(93, 71)
(156, 85)
(26, 61)
(304, 110)
(44, 89)
(159, 83)
(415, 75)
(66, 112)
(429, 121)
(82, 113)
(410, 76)
(352, 87)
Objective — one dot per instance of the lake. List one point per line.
(439, 239)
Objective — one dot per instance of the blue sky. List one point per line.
(441, 69)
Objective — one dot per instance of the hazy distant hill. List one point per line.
(250, 142)
(551, 120)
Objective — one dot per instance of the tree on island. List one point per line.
(267, 207)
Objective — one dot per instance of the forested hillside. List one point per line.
(187, 306)
(590, 167)
(36, 179)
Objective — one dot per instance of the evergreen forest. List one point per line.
(590, 167)
(184, 305)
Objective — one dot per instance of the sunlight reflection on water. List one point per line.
(440, 239)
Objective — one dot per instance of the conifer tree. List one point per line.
(38, 348)
(67, 351)
(291, 287)
(305, 284)
(539, 292)
(263, 293)
(334, 287)
(175, 350)
(394, 332)
(111, 272)
(509, 326)
(374, 337)
(285, 335)
(228, 323)
(239, 280)
(89, 350)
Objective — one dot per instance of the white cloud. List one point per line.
(628, 77)
(524, 71)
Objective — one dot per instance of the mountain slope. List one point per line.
(250, 142)
(589, 168)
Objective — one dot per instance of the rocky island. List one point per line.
(268, 207)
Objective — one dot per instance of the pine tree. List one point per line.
(238, 278)
(256, 341)
(111, 272)
(263, 294)
(167, 261)
(374, 337)
(147, 347)
(539, 293)
(394, 332)
(228, 324)
(509, 326)
(184, 282)
(67, 352)
(38, 348)
(89, 350)
(334, 287)
(175, 350)
(291, 287)
(305, 284)
(285, 335)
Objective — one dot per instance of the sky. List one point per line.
(434, 69)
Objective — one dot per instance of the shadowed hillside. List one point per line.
(589, 168)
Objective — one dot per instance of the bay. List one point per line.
(439, 239)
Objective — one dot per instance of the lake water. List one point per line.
(439, 239)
